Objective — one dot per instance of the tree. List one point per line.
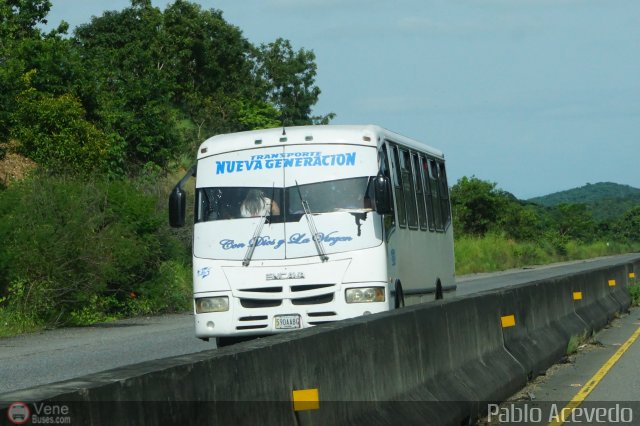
(153, 83)
(23, 47)
(289, 79)
(520, 221)
(135, 82)
(52, 131)
(19, 19)
(477, 205)
(628, 227)
(210, 56)
(18, 23)
(572, 221)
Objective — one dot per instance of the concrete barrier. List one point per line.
(439, 363)
(598, 305)
(545, 320)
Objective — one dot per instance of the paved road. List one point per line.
(56, 355)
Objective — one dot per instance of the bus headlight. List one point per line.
(212, 304)
(364, 295)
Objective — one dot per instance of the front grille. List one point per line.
(257, 303)
(296, 288)
(314, 300)
(262, 290)
(263, 297)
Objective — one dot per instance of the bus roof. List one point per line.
(371, 135)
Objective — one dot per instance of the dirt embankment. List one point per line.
(14, 167)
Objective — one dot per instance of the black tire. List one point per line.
(221, 342)
(399, 299)
(439, 293)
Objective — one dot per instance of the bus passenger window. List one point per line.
(398, 190)
(444, 195)
(409, 190)
(422, 215)
(435, 192)
(428, 193)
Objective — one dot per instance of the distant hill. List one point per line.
(606, 200)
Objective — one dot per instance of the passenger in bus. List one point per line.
(256, 204)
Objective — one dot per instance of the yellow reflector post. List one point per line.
(508, 321)
(306, 399)
(612, 283)
(632, 274)
(577, 295)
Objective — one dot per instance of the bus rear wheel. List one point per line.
(399, 299)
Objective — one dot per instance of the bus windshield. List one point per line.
(224, 203)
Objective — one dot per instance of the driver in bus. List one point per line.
(256, 204)
(352, 195)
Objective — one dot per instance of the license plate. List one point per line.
(287, 321)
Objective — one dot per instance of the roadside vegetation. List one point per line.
(496, 231)
(96, 126)
(634, 291)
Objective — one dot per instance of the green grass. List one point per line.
(574, 342)
(12, 324)
(495, 253)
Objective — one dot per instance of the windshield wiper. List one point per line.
(312, 226)
(254, 240)
(256, 233)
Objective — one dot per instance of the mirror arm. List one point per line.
(192, 172)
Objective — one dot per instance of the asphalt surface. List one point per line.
(55, 355)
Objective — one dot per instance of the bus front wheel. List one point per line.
(439, 294)
(232, 340)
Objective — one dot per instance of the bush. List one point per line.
(77, 252)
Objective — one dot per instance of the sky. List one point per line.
(537, 96)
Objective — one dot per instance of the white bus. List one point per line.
(352, 220)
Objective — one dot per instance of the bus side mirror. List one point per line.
(177, 207)
(178, 200)
(382, 194)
